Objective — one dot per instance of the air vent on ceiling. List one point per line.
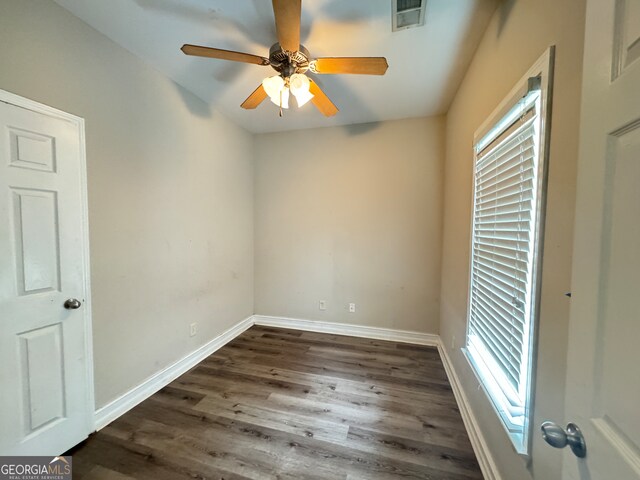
(407, 14)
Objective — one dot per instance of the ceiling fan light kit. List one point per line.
(278, 89)
(292, 61)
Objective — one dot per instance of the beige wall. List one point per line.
(170, 192)
(351, 214)
(517, 35)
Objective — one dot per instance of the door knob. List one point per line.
(72, 304)
(558, 437)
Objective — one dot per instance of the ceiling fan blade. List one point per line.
(255, 99)
(357, 65)
(287, 13)
(198, 51)
(321, 101)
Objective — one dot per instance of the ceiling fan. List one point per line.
(292, 61)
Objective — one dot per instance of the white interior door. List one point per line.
(603, 382)
(46, 402)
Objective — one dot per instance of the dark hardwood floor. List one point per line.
(286, 404)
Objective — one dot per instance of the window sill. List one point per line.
(519, 439)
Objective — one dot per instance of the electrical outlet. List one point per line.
(352, 308)
(193, 329)
(322, 305)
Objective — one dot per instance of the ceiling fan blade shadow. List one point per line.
(287, 14)
(199, 51)
(224, 25)
(241, 33)
(321, 101)
(266, 27)
(227, 72)
(255, 99)
(350, 65)
(350, 12)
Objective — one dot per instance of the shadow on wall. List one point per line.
(505, 8)
(356, 129)
(196, 106)
(338, 91)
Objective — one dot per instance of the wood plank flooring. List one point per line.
(287, 404)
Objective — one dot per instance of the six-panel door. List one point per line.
(44, 398)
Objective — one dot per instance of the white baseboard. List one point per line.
(119, 406)
(478, 442)
(114, 409)
(377, 333)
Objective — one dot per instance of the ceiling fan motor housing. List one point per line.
(287, 63)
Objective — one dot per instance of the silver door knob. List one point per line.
(72, 304)
(558, 437)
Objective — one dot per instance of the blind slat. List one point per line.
(513, 177)
(507, 142)
(510, 368)
(509, 265)
(500, 191)
(511, 314)
(507, 245)
(519, 164)
(491, 274)
(504, 331)
(501, 310)
(504, 214)
(514, 258)
(522, 154)
(506, 198)
(506, 236)
(482, 285)
(502, 354)
(504, 264)
(513, 206)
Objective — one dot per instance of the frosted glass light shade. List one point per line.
(302, 97)
(300, 85)
(277, 91)
(273, 85)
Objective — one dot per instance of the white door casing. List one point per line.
(603, 376)
(46, 365)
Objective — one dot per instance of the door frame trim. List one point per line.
(78, 122)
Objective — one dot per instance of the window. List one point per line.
(508, 206)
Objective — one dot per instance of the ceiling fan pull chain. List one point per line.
(281, 103)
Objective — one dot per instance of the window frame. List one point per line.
(543, 70)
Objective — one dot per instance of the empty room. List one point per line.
(319, 239)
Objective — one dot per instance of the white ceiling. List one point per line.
(426, 64)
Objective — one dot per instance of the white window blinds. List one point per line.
(505, 218)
